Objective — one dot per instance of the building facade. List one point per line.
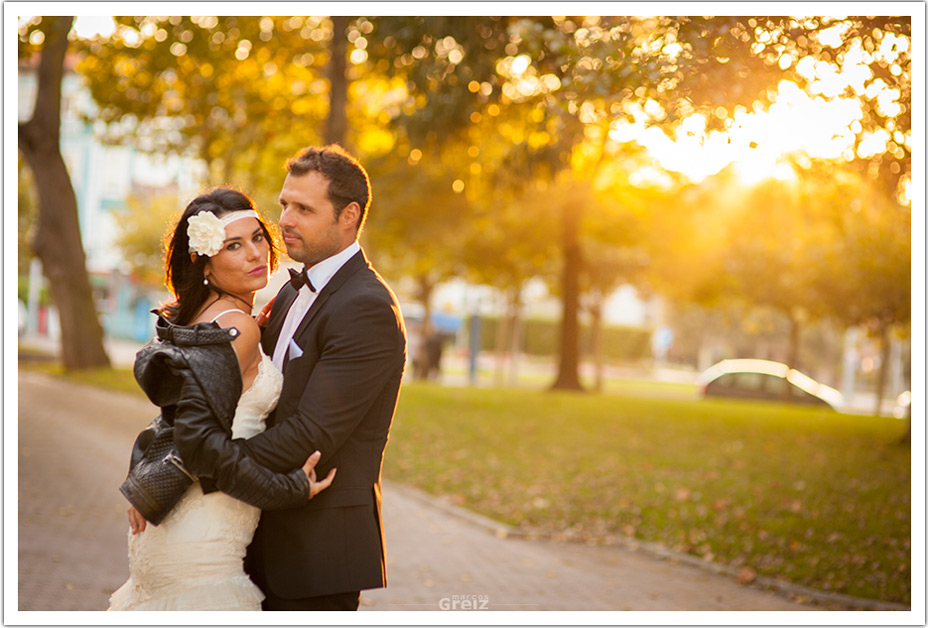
(104, 176)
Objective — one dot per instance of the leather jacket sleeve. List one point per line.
(207, 450)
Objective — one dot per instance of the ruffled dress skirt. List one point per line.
(193, 559)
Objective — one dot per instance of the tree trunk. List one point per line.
(795, 330)
(596, 342)
(255, 169)
(503, 329)
(515, 336)
(568, 376)
(792, 358)
(885, 346)
(508, 340)
(58, 237)
(228, 169)
(337, 122)
(425, 295)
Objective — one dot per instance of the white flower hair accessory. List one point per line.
(206, 231)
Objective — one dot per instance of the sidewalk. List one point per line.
(439, 561)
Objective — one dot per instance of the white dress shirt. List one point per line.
(319, 275)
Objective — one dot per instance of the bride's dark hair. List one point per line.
(183, 275)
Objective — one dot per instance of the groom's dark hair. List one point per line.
(348, 181)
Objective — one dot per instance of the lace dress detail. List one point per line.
(193, 560)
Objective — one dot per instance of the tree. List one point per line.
(868, 260)
(141, 233)
(27, 210)
(57, 240)
(579, 73)
(614, 237)
(508, 243)
(415, 223)
(534, 98)
(724, 61)
(833, 246)
(447, 66)
(770, 256)
(867, 59)
(241, 93)
(827, 244)
(422, 224)
(336, 125)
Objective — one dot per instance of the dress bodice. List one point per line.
(258, 401)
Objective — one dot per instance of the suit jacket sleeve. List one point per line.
(208, 451)
(361, 348)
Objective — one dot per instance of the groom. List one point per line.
(337, 334)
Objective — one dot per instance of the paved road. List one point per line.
(73, 452)
(435, 558)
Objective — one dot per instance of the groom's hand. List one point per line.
(309, 468)
(265, 313)
(136, 520)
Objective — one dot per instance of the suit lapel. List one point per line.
(282, 303)
(353, 265)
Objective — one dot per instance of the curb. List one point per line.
(791, 591)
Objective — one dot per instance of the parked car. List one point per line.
(903, 407)
(763, 379)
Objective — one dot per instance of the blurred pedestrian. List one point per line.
(433, 351)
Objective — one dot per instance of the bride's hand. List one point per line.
(136, 520)
(316, 487)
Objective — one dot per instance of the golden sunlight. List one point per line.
(759, 142)
(89, 26)
(821, 122)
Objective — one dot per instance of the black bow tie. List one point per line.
(300, 278)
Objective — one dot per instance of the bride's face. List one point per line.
(242, 267)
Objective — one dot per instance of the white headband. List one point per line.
(206, 231)
(238, 215)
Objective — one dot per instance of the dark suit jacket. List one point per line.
(339, 397)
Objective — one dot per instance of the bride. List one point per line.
(207, 352)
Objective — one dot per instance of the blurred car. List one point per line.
(764, 379)
(903, 407)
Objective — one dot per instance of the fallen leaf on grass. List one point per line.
(746, 576)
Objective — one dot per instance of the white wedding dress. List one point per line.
(193, 560)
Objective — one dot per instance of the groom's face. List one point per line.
(308, 225)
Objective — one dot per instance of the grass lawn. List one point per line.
(121, 380)
(813, 497)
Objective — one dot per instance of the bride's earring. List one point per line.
(205, 281)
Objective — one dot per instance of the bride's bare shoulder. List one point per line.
(249, 332)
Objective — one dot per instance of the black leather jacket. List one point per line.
(193, 375)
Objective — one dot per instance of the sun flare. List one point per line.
(764, 143)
